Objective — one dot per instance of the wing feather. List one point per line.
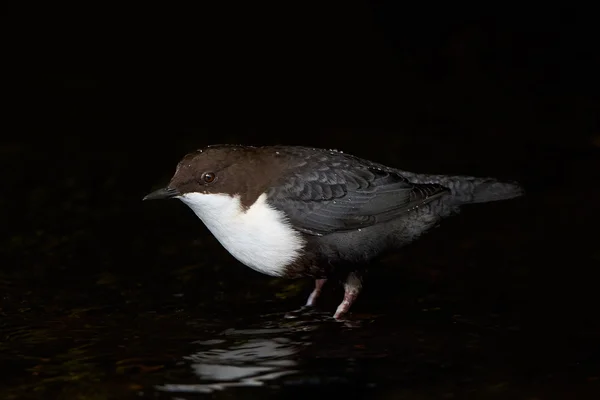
(335, 192)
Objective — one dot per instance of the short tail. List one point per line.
(483, 190)
(469, 189)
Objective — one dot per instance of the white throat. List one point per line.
(259, 237)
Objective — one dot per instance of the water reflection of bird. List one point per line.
(241, 358)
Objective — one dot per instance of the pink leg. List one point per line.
(312, 299)
(352, 288)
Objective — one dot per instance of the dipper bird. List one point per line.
(291, 211)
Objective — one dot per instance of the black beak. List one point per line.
(164, 193)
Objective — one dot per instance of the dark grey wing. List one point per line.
(327, 199)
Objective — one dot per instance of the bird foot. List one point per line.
(352, 288)
(349, 298)
(312, 299)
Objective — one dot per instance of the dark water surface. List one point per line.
(103, 296)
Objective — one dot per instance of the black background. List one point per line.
(103, 100)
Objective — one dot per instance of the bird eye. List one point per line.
(208, 177)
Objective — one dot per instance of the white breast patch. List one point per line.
(259, 237)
